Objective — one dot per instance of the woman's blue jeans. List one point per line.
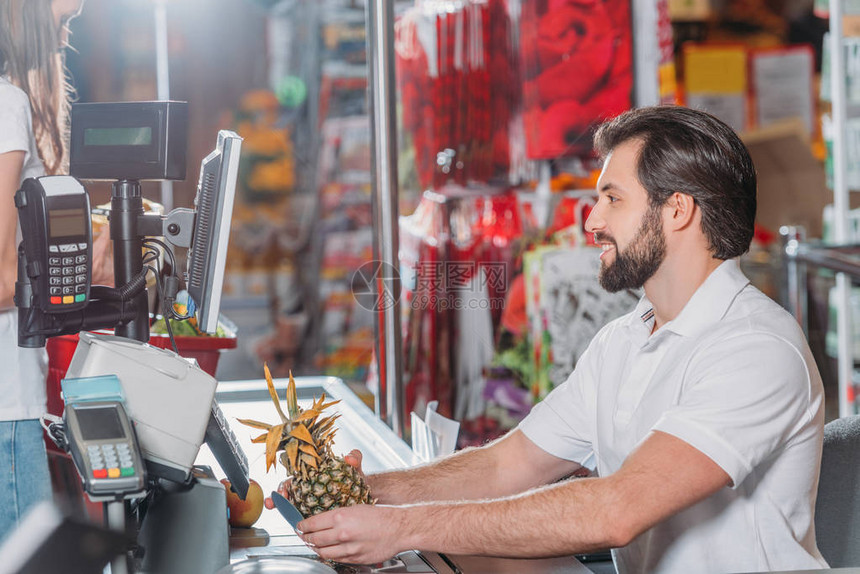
(24, 476)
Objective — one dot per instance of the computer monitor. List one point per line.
(207, 257)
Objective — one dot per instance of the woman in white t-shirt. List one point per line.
(33, 119)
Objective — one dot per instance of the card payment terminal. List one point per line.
(103, 445)
(55, 219)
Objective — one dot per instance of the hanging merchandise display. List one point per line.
(457, 257)
(577, 71)
(457, 78)
(426, 371)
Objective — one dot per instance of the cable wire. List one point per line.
(164, 311)
(173, 273)
(166, 249)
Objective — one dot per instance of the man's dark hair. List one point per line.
(692, 152)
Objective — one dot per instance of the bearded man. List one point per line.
(703, 408)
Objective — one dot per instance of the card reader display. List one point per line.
(104, 448)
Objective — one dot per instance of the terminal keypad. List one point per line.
(111, 460)
(67, 273)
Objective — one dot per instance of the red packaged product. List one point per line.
(577, 71)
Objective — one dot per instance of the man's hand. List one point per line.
(353, 458)
(361, 534)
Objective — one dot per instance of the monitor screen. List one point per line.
(207, 257)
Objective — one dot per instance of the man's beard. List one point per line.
(640, 260)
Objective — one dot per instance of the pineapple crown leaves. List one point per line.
(302, 434)
(274, 394)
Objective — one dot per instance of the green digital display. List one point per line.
(138, 135)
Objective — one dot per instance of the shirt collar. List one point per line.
(707, 305)
(640, 322)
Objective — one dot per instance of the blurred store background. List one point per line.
(496, 103)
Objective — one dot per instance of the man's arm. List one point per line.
(660, 478)
(506, 466)
(11, 164)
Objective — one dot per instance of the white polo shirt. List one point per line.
(732, 375)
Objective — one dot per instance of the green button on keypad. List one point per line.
(80, 297)
(126, 471)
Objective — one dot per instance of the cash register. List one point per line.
(135, 415)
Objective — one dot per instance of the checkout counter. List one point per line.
(272, 539)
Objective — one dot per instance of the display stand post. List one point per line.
(844, 329)
(389, 350)
(115, 518)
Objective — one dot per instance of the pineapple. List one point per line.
(320, 480)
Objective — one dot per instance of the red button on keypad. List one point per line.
(101, 473)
